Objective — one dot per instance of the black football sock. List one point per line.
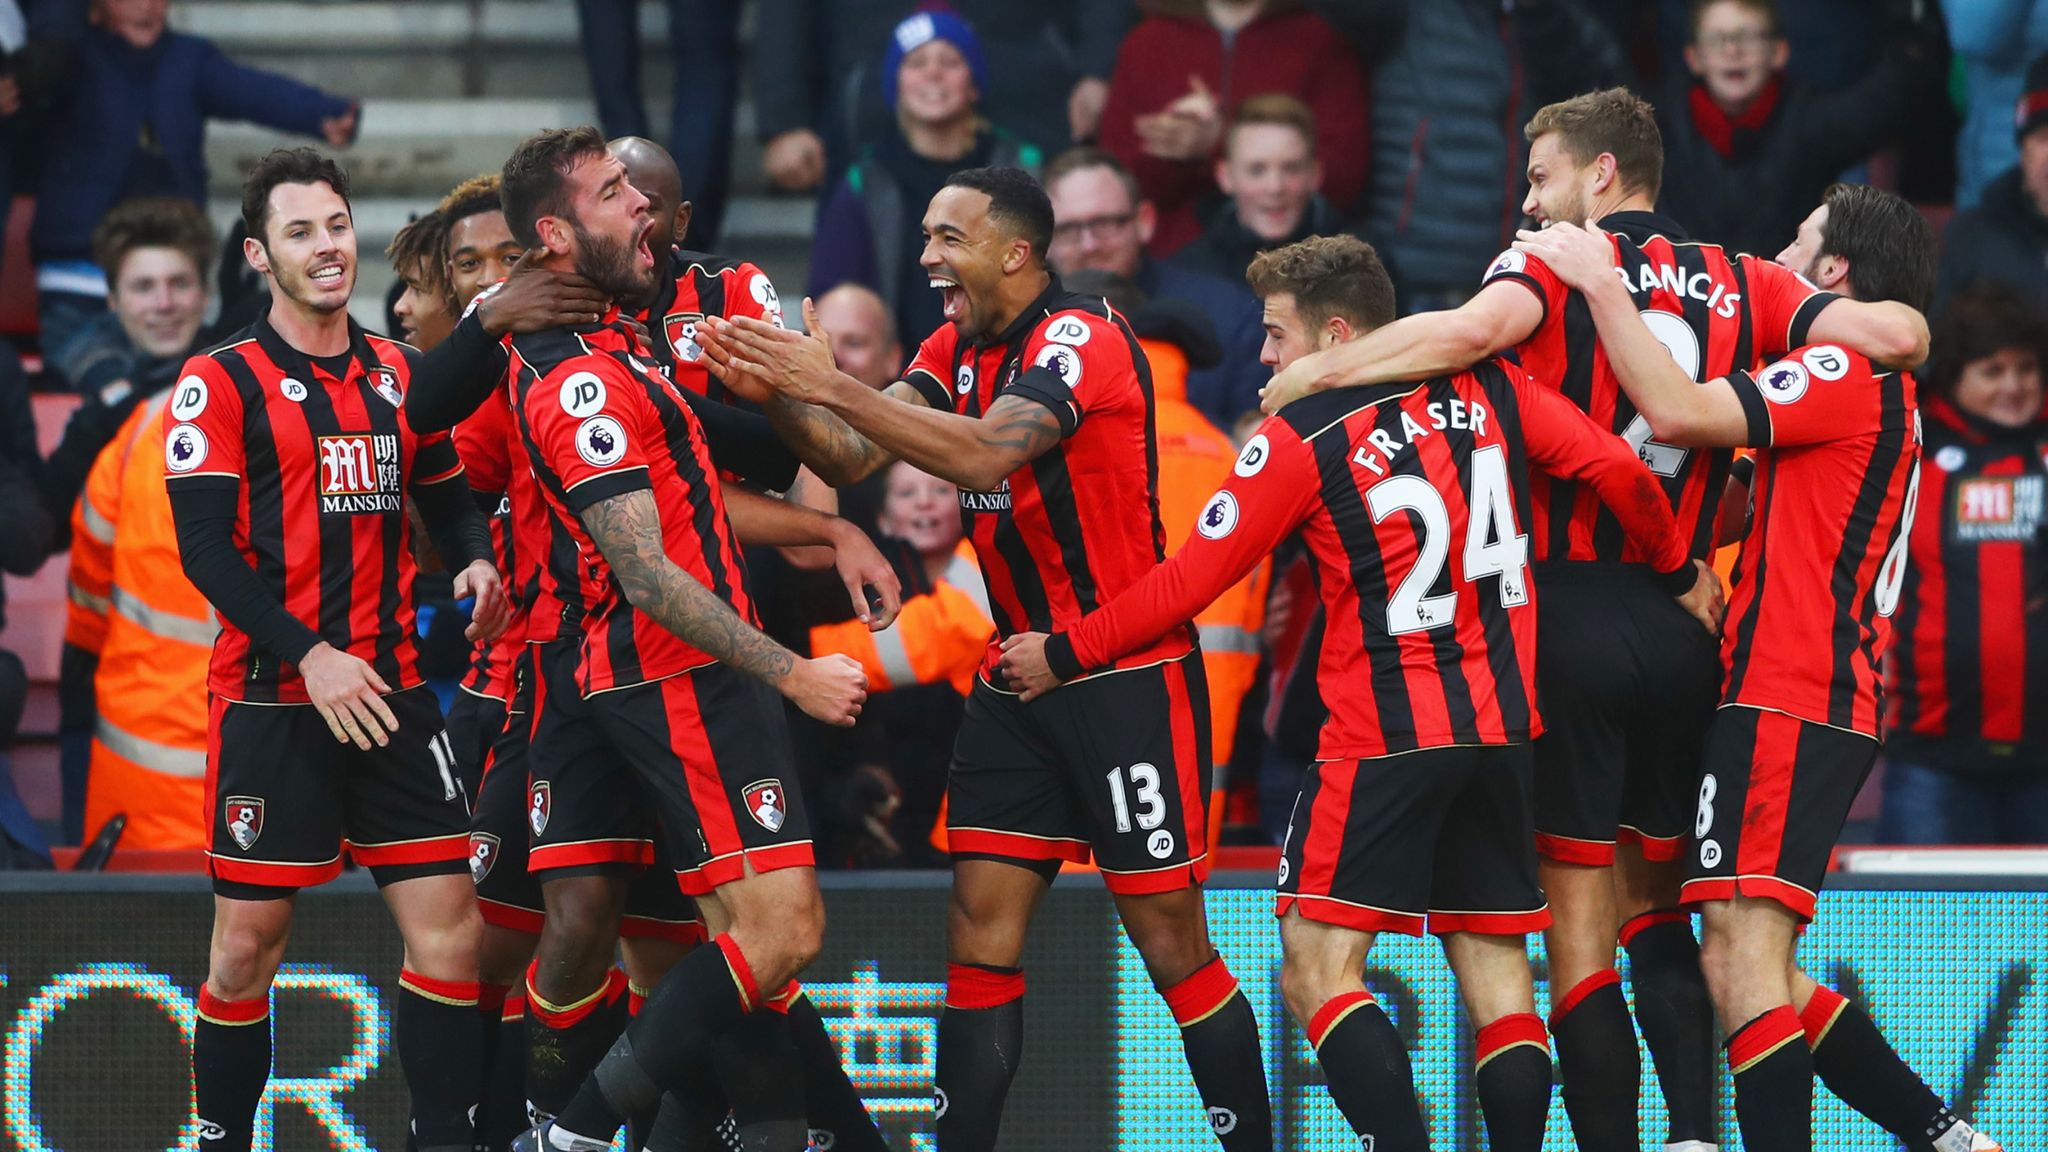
(1599, 1064)
(1367, 1068)
(1773, 1082)
(439, 1035)
(565, 1041)
(1676, 1016)
(1511, 1069)
(688, 1121)
(702, 997)
(762, 1075)
(981, 1037)
(838, 1116)
(230, 1067)
(1858, 1065)
(501, 1113)
(1222, 1042)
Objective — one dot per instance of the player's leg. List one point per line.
(1858, 1065)
(1596, 1042)
(1322, 977)
(1745, 951)
(513, 911)
(409, 823)
(231, 1036)
(1671, 1001)
(1484, 900)
(1136, 747)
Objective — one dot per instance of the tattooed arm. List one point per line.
(826, 444)
(627, 531)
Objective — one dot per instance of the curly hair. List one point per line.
(152, 222)
(1328, 276)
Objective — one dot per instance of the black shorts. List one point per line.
(1771, 805)
(1627, 683)
(285, 798)
(1116, 765)
(473, 725)
(1443, 833)
(506, 892)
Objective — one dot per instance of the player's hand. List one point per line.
(1025, 667)
(535, 299)
(829, 688)
(1704, 602)
(721, 361)
(794, 160)
(492, 610)
(798, 365)
(861, 566)
(348, 694)
(1581, 257)
(1291, 383)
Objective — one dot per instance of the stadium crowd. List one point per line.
(1177, 140)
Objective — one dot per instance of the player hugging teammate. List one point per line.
(1508, 505)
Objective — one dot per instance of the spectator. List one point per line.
(1269, 175)
(1448, 156)
(863, 336)
(1993, 41)
(1967, 758)
(24, 543)
(154, 253)
(1102, 225)
(1747, 152)
(871, 230)
(1048, 75)
(2004, 239)
(133, 123)
(1165, 116)
(704, 51)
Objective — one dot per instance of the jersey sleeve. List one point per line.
(1783, 304)
(1820, 392)
(484, 442)
(754, 295)
(1563, 441)
(204, 444)
(1074, 363)
(1271, 490)
(593, 429)
(1531, 273)
(931, 370)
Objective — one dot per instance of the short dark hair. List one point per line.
(473, 197)
(1016, 200)
(1328, 276)
(1612, 120)
(1768, 9)
(1888, 244)
(421, 248)
(1088, 156)
(1983, 320)
(286, 166)
(535, 180)
(152, 222)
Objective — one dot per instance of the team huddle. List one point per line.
(1543, 717)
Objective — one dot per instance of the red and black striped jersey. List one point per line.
(702, 285)
(1079, 524)
(1413, 500)
(1837, 469)
(1971, 661)
(1716, 313)
(597, 423)
(489, 446)
(323, 460)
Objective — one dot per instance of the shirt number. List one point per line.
(1892, 576)
(1492, 546)
(1145, 784)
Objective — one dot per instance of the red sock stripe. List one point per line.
(1638, 924)
(515, 1007)
(1763, 1036)
(970, 987)
(1820, 1013)
(636, 998)
(1198, 997)
(1333, 1010)
(742, 974)
(491, 997)
(1580, 991)
(215, 1010)
(1508, 1032)
(459, 993)
(559, 1016)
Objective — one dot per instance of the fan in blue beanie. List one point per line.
(921, 28)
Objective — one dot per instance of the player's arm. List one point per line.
(758, 519)
(455, 377)
(461, 533)
(627, 531)
(1500, 316)
(1886, 331)
(1238, 528)
(744, 443)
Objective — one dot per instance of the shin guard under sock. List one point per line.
(1367, 1069)
(1858, 1065)
(230, 1067)
(981, 1037)
(1222, 1042)
(439, 1034)
(1511, 1070)
(838, 1117)
(1773, 1082)
(1676, 1016)
(565, 1041)
(1599, 1064)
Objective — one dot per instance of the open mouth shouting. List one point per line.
(953, 297)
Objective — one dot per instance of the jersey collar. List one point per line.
(1044, 305)
(1641, 226)
(297, 364)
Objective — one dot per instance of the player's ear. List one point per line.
(682, 227)
(1017, 258)
(252, 251)
(1606, 172)
(554, 233)
(1336, 330)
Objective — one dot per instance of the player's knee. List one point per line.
(447, 949)
(980, 931)
(1305, 986)
(243, 960)
(1721, 961)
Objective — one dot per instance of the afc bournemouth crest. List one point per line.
(765, 804)
(539, 802)
(386, 382)
(245, 819)
(681, 330)
(483, 852)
